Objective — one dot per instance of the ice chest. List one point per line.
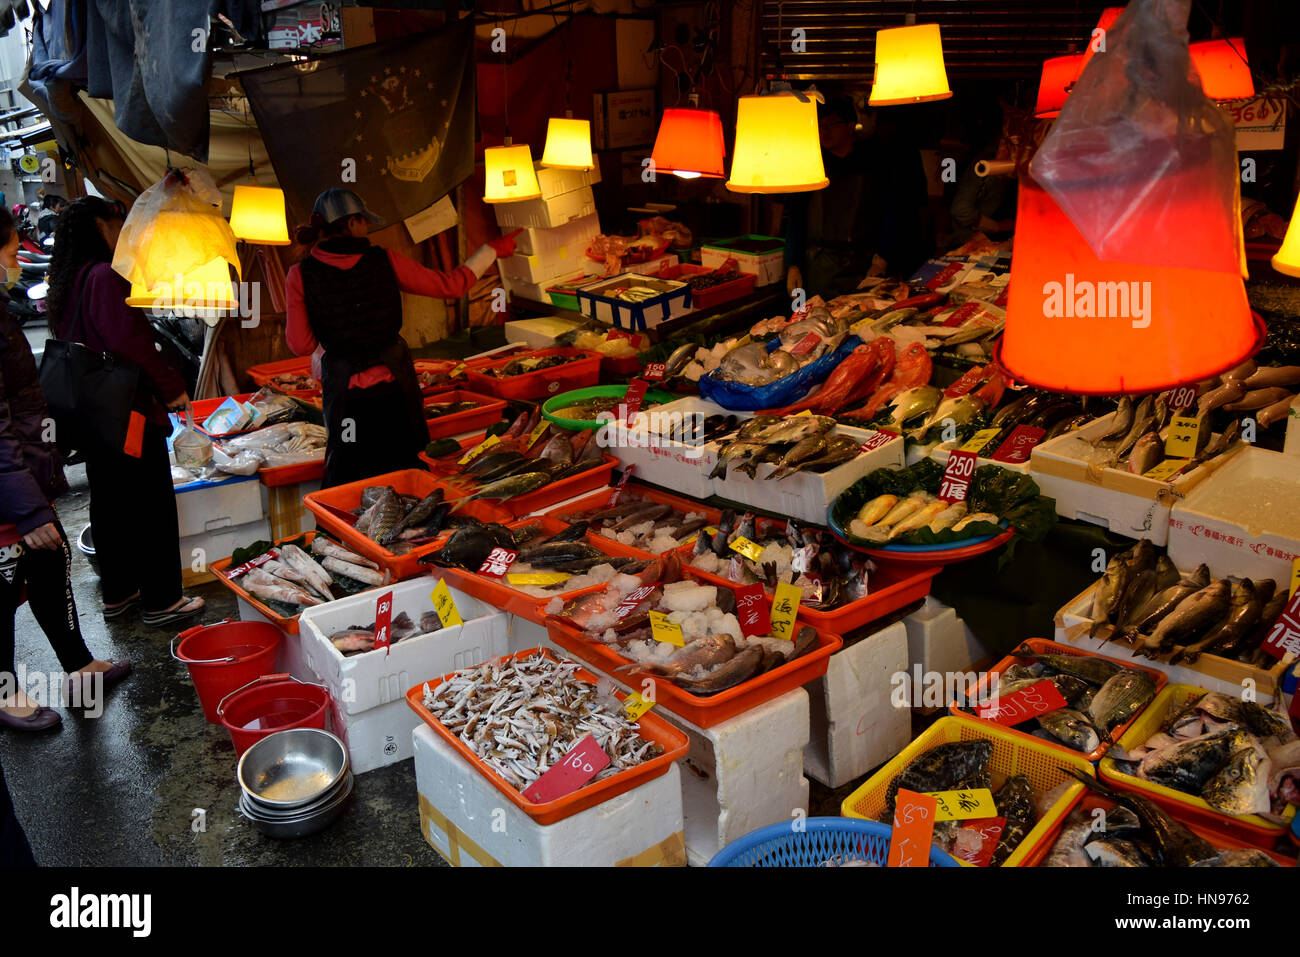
(204, 507)
(574, 236)
(670, 299)
(762, 256)
(547, 213)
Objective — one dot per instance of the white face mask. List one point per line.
(12, 275)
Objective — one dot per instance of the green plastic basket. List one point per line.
(577, 395)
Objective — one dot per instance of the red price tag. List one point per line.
(384, 621)
(1020, 706)
(634, 598)
(1001, 301)
(1284, 637)
(815, 590)
(956, 477)
(913, 832)
(805, 345)
(1019, 444)
(944, 276)
(616, 492)
(654, 371)
(584, 761)
(962, 313)
(990, 831)
(498, 562)
(615, 334)
(752, 610)
(876, 440)
(249, 565)
(633, 398)
(1184, 397)
(799, 315)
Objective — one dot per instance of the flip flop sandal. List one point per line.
(160, 619)
(122, 607)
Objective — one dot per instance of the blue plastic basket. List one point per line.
(820, 841)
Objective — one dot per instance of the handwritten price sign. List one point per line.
(990, 831)
(632, 400)
(876, 440)
(617, 492)
(1020, 706)
(956, 477)
(654, 371)
(634, 598)
(1019, 444)
(1184, 397)
(752, 610)
(384, 621)
(1283, 639)
(498, 562)
(913, 831)
(584, 761)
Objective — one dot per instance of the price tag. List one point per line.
(487, 443)
(669, 632)
(459, 370)
(913, 830)
(1295, 575)
(963, 805)
(875, 440)
(384, 622)
(990, 831)
(805, 412)
(654, 371)
(445, 605)
(616, 492)
(633, 398)
(537, 433)
(751, 550)
(708, 528)
(785, 606)
(249, 565)
(498, 560)
(1283, 639)
(634, 706)
(799, 315)
(1184, 397)
(1184, 432)
(956, 477)
(1019, 444)
(751, 609)
(980, 439)
(963, 312)
(541, 579)
(1166, 470)
(1020, 706)
(615, 334)
(944, 276)
(633, 598)
(805, 345)
(584, 761)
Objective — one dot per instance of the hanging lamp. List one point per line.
(509, 174)
(689, 143)
(1287, 258)
(202, 292)
(568, 143)
(1058, 76)
(909, 66)
(257, 216)
(1106, 21)
(778, 149)
(1224, 72)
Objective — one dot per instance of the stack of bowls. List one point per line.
(294, 782)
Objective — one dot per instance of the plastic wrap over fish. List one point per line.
(781, 392)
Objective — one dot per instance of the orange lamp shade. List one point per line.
(909, 66)
(1287, 259)
(205, 291)
(1108, 18)
(568, 144)
(689, 144)
(1059, 74)
(257, 216)
(1225, 74)
(509, 176)
(777, 146)
(1081, 325)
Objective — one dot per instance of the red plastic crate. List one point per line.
(488, 412)
(540, 384)
(292, 474)
(742, 285)
(519, 506)
(648, 493)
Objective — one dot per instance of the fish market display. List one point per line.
(526, 364)
(790, 443)
(294, 382)
(590, 409)
(576, 563)
(400, 522)
(521, 717)
(289, 578)
(1239, 756)
(637, 522)
(357, 639)
(615, 347)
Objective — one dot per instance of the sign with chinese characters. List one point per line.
(445, 605)
(1184, 436)
(654, 371)
(384, 622)
(980, 439)
(1283, 639)
(1019, 444)
(634, 598)
(1166, 470)
(632, 400)
(913, 830)
(1019, 706)
(785, 606)
(634, 705)
(990, 831)
(669, 632)
(957, 476)
(963, 805)
(584, 761)
(498, 562)
(1260, 122)
(876, 439)
(750, 549)
(751, 609)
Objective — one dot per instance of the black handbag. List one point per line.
(89, 394)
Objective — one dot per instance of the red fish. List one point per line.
(912, 369)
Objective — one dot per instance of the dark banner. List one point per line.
(392, 121)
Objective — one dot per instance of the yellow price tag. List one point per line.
(445, 605)
(537, 432)
(708, 528)
(1166, 470)
(751, 550)
(487, 443)
(800, 415)
(980, 439)
(634, 705)
(785, 606)
(537, 578)
(1295, 575)
(459, 370)
(1184, 432)
(963, 805)
(666, 631)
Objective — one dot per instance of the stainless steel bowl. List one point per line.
(302, 825)
(278, 813)
(292, 768)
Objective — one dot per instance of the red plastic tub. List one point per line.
(264, 373)
(488, 412)
(269, 704)
(742, 285)
(292, 474)
(540, 384)
(226, 656)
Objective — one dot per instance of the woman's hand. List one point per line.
(47, 536)
(179, 403)
(793, 279)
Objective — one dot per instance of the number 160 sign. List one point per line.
(584, 761)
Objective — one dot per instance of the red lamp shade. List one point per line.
(1225, 74)
(689, 144)
(1078, 324)
(1059, 74)
(1108, 18)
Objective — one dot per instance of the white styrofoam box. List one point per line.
(1243, 520)
(536, 291)
(197, 551)
(940, 454)
(547, 213)
(378, 737)
(939, 641)
(1292, 441)
(671, 300)
(539, 333)
(1127, 504)
(575, 235)
(807, 495)
(544, 267)
(471, 824)
(769, 267)
(292, 659)
(212, 507)
(1210, 671)
(556, 182)
(854, 723)
(374, 678)
(673, 465)
(524, 635)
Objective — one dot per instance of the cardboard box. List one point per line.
(768, 266)
(547, 213)
(672, 299)
(622, 119)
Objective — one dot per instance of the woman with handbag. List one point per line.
(35, 560)
(132, 501)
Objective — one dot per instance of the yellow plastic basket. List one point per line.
(1259, 831)
(1043, 764)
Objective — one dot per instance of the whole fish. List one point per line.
(794, 429)
(1115, 852)
(949, 517)
(960, 409)
(679, 359)
(806, 448)
(356, 572)
(1146, 454)
(388, 512)
(651, 511)
(1166, 573)
(973, 517)
(306, 565)
(1219, 444)
(1120, 698)
(735, 453)
(1106, 599)
(706, 652)
(1121, 423)
(417, 515)
(942, 768)
(1087, 667)
(1241, 787)
(755, 425)
(1244, 608)
(1143, 418)
(921, 517)
(550, 554)
(1071, 728)
(1161, 604)
(1173, 842)
(877, 508)
(1258, 399)
(1015, 802)
(323, 547)
(1192, 616)
(728, 674)
(839, 450)
(915, 402)
(1188, 765)
(512, 486)
(902, 510)
(1265, 376)
(1230, 391)
(264, 585)
(1068, 849)
(1141, 587)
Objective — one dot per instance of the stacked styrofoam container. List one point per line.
(215, 519)
(557, 228)
(370, 710)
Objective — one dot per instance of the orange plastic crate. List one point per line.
(488, 412)
(635, 491)
(507, 510)
(540, 384)
(652, 728)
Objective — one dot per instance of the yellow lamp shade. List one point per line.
(257, 216)
(568, 144)
(509, 175)
(205, 291)
(777, 146)
(1287, 259)
(909, 66)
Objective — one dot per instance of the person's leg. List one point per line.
(158, 528)
(11, 589)
(47, 572)
(15, 851)
(113, 506)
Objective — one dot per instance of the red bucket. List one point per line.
(225, 657)
(272, 703)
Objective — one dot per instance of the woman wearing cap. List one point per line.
(345, 299)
